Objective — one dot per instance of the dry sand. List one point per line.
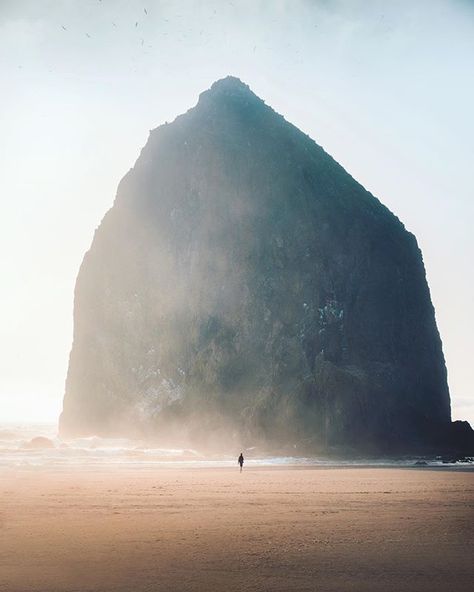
(211, 530)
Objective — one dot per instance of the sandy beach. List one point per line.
(278, 529)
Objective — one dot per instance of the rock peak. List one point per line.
(227, 88)
(230, 82)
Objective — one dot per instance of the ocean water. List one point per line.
(17, 452)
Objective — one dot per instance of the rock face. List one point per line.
(244, 287)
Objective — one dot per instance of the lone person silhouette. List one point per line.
(241, 461)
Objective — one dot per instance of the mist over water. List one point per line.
(18, 452)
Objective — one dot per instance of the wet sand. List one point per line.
(136, 530)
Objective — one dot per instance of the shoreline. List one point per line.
(222, 465)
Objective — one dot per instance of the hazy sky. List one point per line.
(385, 86)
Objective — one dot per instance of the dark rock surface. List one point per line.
(245, 288)
(460, 439)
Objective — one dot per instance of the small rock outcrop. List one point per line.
(245, 288)
(39, 443)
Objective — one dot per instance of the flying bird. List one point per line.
(87, 35)
(145, 11)
(64, 27)
(136, 24)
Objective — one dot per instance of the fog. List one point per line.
(385, 88)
